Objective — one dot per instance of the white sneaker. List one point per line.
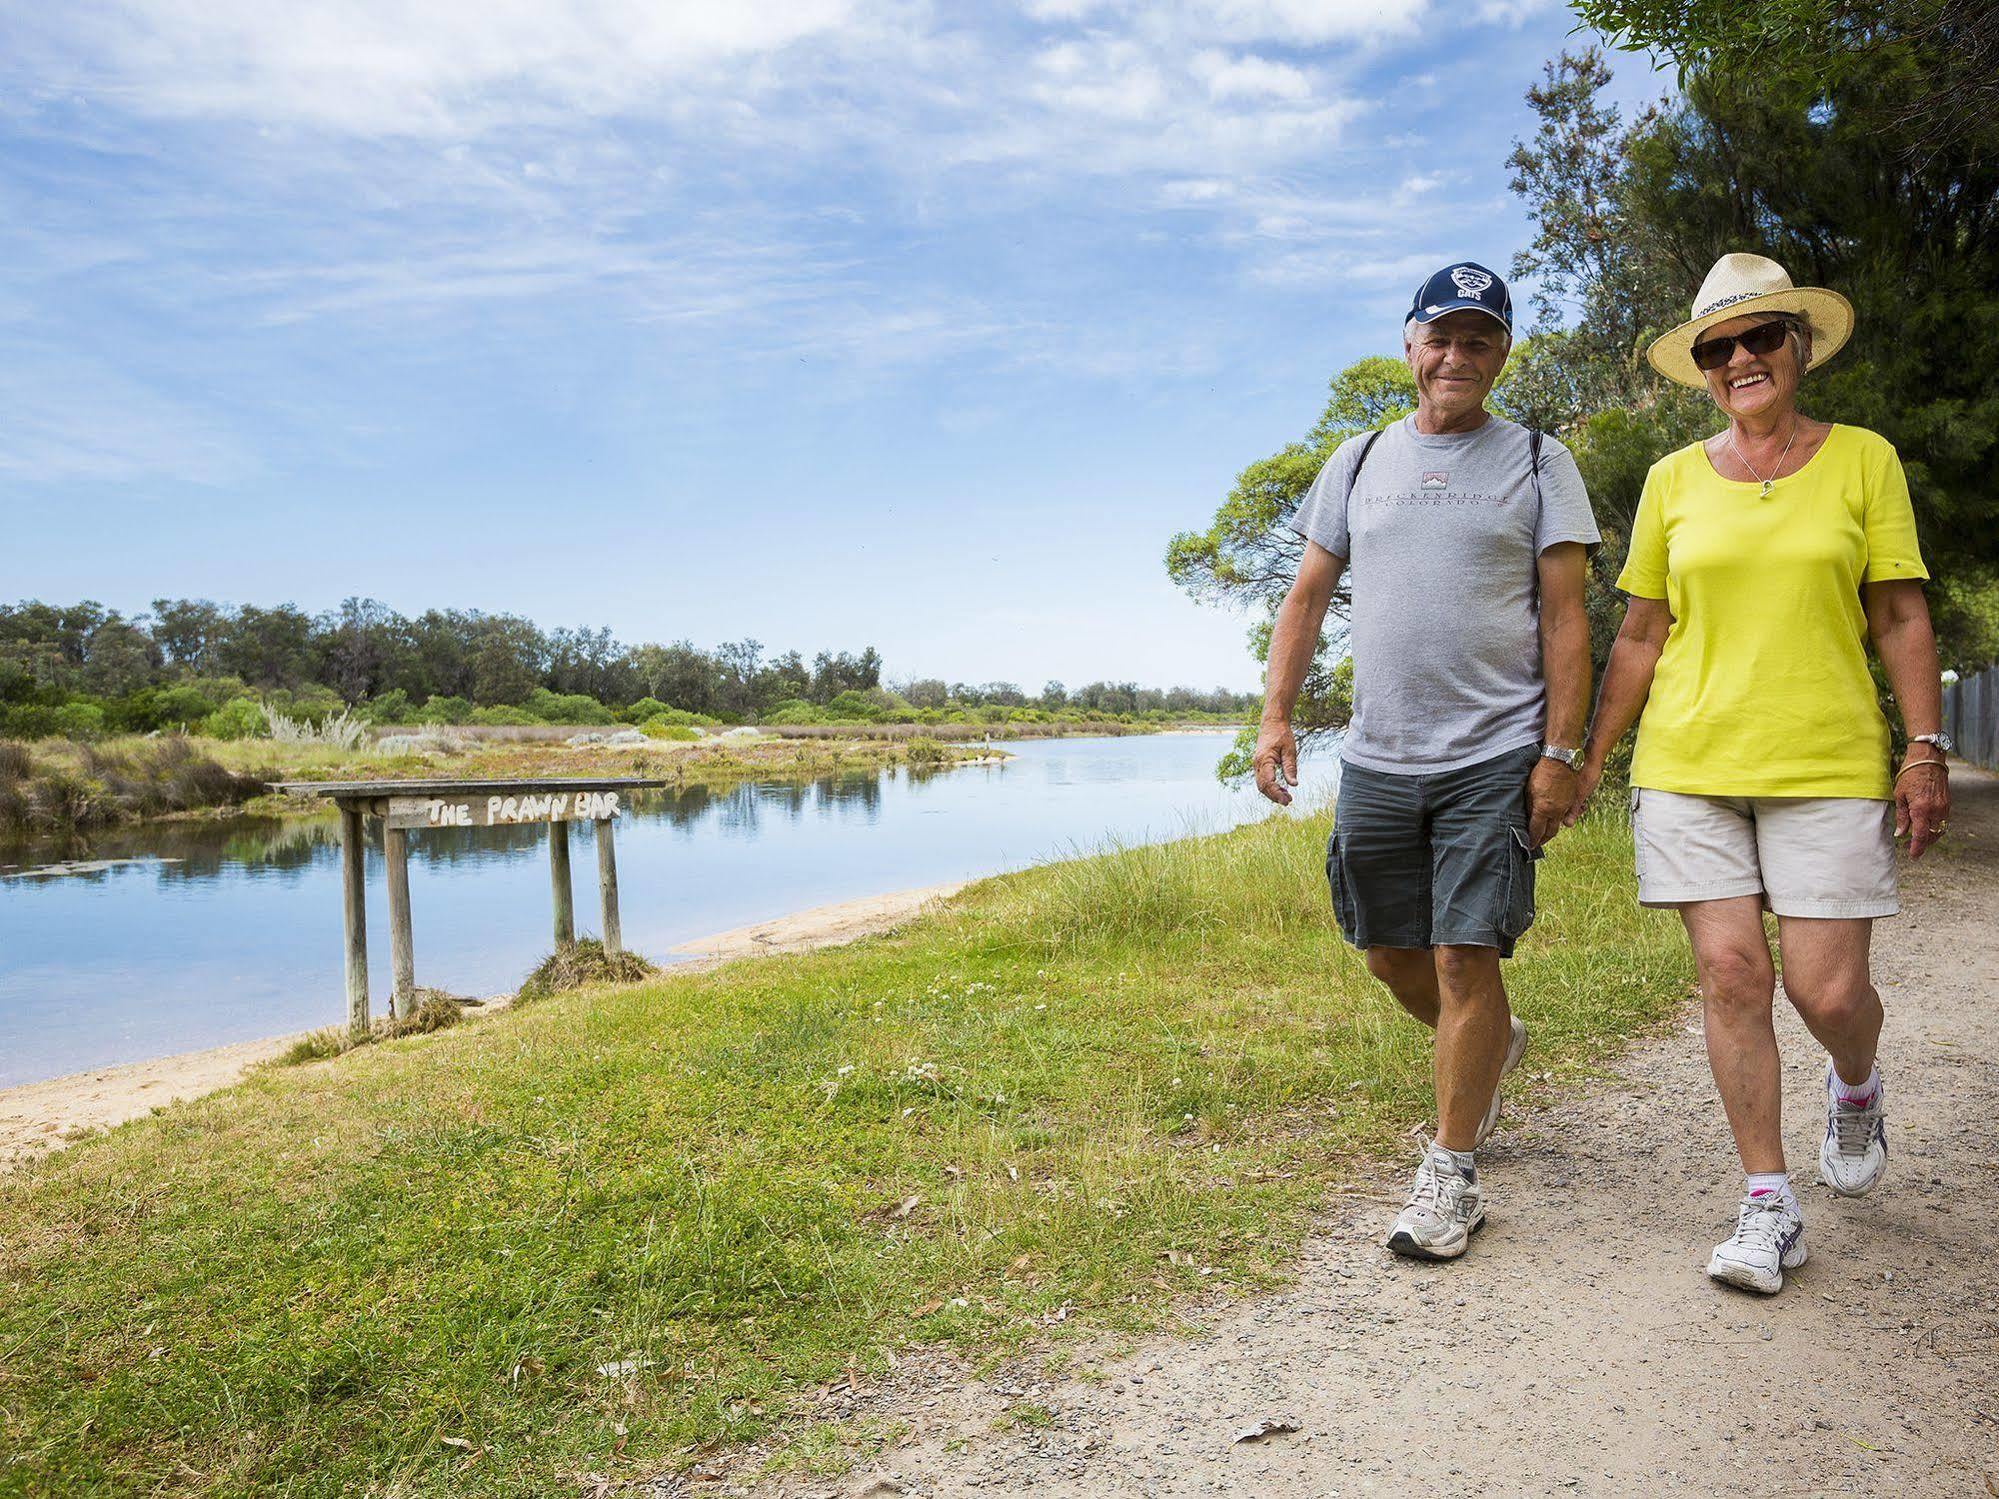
(1769, 1239)
(1853, 1157)
(1445, 1209)
(1516, 1046)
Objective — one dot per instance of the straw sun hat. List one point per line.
(1741, 284)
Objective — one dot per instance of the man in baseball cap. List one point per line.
(1464, 538)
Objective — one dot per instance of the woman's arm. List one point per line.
(1627, 682)
(1898, 619)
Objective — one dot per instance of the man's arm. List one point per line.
(1551, 790)
(1898, 619)
(1294, 636)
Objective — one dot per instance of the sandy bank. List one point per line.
(36, 1117)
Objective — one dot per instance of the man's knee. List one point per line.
(1737, 981)
(1466, 970)
(1399, 966)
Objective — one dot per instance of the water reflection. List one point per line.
(230, 929)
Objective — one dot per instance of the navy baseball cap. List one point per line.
(1461, 287)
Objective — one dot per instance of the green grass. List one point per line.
(1060, 1101)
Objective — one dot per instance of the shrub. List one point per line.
(503, 715)
(239, 718)
(923, 750)
(679, 731)
(445, 710)
(181, 707)
(79, 721)
(310, 704)
(28, 721)
(575, 707)
(15, 762)
(682, 716)
(392, 707)
(340, 730)
(642, 710)
(851, 704)
(794, 710)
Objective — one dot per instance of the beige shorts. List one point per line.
(1829, 856)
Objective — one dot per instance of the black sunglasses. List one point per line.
(1764, 338)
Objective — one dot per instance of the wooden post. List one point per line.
(607, 887)
(558, 879)
(354, 911)
(402, 950)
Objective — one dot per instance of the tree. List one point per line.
(679, 674)
(1796, 162)
(267, 647)
(739, 660)
(1588, 258)
(1946, 93)
(359, 646)
(188, 631)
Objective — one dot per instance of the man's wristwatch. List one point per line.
(1940, 741)
(1573, 758)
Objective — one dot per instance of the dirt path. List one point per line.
(43, 1116)
(1579, 1349)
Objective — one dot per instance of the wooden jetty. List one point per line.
(408, 806)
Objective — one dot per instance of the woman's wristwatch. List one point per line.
(1939, 741)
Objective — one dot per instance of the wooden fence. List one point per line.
(1971, 717)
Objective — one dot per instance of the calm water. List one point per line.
(231, 932)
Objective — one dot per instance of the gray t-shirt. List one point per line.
(1441, 539)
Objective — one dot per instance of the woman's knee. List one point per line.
(1831, 1001)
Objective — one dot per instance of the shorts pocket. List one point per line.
(1342, 893)
(1518, 913)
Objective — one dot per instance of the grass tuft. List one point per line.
(581, 965)
(434, 1011)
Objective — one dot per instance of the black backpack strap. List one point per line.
(1534, 460)
(1366, 448)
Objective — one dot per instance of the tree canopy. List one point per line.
(1791, 158)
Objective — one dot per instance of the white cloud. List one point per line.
(1250, 77)
(440, 68)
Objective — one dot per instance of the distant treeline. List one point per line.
(81, 669)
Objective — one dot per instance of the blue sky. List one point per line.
(831, 323)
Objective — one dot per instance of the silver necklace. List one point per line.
(1766, 483)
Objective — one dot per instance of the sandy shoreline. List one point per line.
(43, 1116)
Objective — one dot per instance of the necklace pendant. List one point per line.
(1766, 487)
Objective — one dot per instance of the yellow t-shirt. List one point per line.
(1762, 688)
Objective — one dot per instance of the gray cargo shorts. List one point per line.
(1434, 860)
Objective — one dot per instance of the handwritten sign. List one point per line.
(498, 811)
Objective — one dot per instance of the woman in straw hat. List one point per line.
(1762, 562)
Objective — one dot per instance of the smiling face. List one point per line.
(1455, 360)
(1754, 385)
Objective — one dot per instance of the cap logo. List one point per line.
(1470, 280)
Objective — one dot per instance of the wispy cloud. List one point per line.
(805, 180)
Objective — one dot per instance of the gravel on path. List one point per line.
(1579, 1348)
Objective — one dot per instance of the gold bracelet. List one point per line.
(1918, 765)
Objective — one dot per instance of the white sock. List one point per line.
(1772, 1184)
(1458, 1161)
(1860, 1094)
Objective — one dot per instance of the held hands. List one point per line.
(1922, 801)
(1551, 801)
(1586, 780)
(1276, 762)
